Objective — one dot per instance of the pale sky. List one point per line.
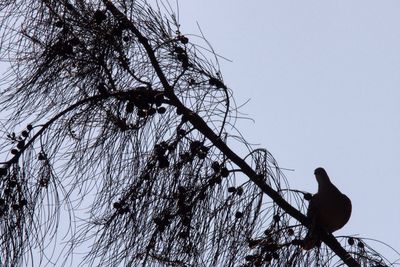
(323, 78)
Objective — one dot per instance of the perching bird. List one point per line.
(328, 208)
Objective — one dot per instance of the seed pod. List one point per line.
(101, 87)
(12, 183)
(181, 132)
(186, 221)
(268, 257)
(232, 189)
(224, 172)
(151, 111)
(239, 191)
(160, 149)
(179, 50)
(202, 154)
(215, 166)
(212, 181)
(267, 232)
(163, 162)
(74, 41)
(217, 83)
(161, 110)
(290, 232)
(184, 39)
(129, 107)
(21, 144)
(186, 156)
(41, 156)
(238, 215)
(123, 210)
(195, 146)
(59, 24)
(184, 234)
(99, 16)
(171, 147)
(158, 99)
(142, 113)
(183, 58)
(3, 171)
(7, 191)
(253, 242)
(65, 49)
(142, 102)
(249, 257)
(69, 6)
(181, 189)
(44, 182)
(202, 195)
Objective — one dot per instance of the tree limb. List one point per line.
(202, 126)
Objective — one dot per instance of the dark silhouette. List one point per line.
(116, 149)
(328, 209)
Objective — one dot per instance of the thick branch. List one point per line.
(202, 126)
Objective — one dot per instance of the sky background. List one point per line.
(323, 79)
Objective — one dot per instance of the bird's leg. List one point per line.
(311, 238)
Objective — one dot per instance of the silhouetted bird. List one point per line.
(329, 209)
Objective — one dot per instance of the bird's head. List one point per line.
(321, 175)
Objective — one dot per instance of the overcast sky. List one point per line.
(323, 78)
(324, 82)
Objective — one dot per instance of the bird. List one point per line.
(328, 210)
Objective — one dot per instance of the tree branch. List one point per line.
(202, 126)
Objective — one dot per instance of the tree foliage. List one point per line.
(116, 149)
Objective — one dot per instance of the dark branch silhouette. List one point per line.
(117, 150)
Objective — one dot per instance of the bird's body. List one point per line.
(329, 209)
